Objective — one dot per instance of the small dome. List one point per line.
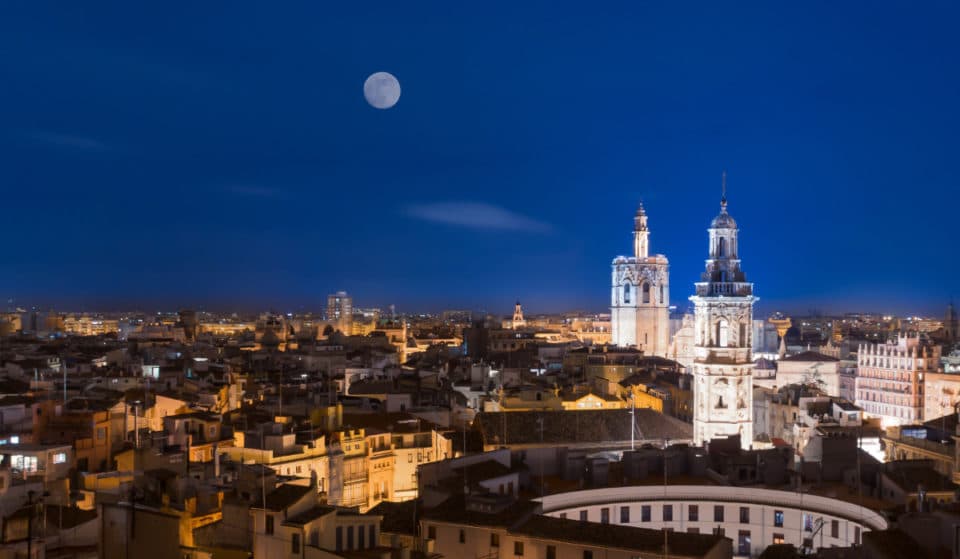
(724, 220)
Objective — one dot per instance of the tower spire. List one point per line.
(723, 189)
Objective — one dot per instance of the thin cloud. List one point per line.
(68, 141)
(476, 215)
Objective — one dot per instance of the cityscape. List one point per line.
(395, 336)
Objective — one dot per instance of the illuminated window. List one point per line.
(60, 458)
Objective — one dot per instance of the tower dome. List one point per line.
(724, 220)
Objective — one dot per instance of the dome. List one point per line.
(724, 220)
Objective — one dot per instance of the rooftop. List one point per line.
(618, 536)
(283, 497)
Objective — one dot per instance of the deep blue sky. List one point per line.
(222, 154)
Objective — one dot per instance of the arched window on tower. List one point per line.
(626, 293)
(722, 333)
(721, 247)
(661, 293)
(646, 292)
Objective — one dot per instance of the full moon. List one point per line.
(381, 90)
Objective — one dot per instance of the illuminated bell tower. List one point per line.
(723, 364)
(640, 295)
(518, 321)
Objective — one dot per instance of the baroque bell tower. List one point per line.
(640, 295)
(723, 364)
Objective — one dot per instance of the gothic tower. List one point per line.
(723, 365)
(640, 295)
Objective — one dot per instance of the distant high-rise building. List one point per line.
(340, 311)
(723, 365)
(640, 295)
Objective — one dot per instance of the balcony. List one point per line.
(724, 289)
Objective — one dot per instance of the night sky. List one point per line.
(222, 155)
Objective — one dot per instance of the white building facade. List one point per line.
(640, 295)
(723, 364)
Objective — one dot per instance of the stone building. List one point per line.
(640, 295)
(890, 378)
(723, 367)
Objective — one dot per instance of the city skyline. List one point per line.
(240, 166)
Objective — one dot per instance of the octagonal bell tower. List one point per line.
(723, 364)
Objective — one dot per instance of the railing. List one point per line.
(727, 289)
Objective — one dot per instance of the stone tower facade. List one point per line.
(640, 295)
(723, 364)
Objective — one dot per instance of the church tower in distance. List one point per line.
(723, 364)
(640, 295)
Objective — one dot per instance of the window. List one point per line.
(494, 540)
(744, 515)
(722, 247)
(60, 458)
(431, 532)
(339, 538)
(693, 513)
(778, 518)
(661, 293)
(856, 535)
(605, 515)
(349, 538)
(645, 513)
(834, 528)
(518, 549)
(743, 542)
(551, 552)
(718, 513)
(624, 515)
(626, 293)
(410, 458)
(646, 292)
(463, 536)
(722, 333)
(360, 536)
(668, 513)
(101, 433)
(583, 516)
(807, 522)
(587, 554)
(778, 539)
(269, 527)
(295, 543)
